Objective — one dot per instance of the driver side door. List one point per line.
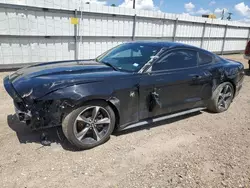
(171, 85)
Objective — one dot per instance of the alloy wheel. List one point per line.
(92, 124)
(225, 97)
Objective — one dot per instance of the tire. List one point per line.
(248, 64)
(215, 104)
(79, 122)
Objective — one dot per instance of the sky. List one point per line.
(239, 8)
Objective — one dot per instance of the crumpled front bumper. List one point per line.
(37, 115)
(22, 113)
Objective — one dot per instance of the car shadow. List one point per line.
(55, 135)
(26, 135)
(247, 72)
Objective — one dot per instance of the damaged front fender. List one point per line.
(50, 109)
(77, 94)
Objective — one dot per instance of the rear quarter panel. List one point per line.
(228, 70)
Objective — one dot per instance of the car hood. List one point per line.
(37, 80)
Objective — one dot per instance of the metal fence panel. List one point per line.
(34, 31)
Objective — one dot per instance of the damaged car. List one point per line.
(133, 84)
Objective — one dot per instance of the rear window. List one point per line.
(205, 58)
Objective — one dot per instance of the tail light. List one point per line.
(247, 50)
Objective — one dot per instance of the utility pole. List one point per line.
(222, 14)
(133, 4)
(229, 16)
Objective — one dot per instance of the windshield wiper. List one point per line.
(110, 65)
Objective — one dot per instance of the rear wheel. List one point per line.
(89, 125)
(249, 64)
(222, 98)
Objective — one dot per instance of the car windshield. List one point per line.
(129, 56)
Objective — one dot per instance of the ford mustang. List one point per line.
(132, 84)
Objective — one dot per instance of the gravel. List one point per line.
(198, 150)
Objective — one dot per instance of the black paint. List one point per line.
(48, 91)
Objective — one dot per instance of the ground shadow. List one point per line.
(247, 72)
(26, 135)
(55, 135)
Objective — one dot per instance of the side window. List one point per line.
(177, 59)
(204, 58)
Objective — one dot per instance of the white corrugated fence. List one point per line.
(40, 30)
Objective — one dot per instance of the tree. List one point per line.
(113, 5)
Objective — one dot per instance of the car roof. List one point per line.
(163, 44)
(168, 45)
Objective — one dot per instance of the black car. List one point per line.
(132, 84)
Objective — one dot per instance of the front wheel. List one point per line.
(222, 98)
(90, 125)
(249, 64)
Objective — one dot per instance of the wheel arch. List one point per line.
(227, 80)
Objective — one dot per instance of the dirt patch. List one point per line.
(199, 150)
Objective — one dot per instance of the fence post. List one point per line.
(175, 29)
(163, 25)
(224, 40)
(134, 28)
(248, 38)
(80, 34)
(76, 41)
(203, 34)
